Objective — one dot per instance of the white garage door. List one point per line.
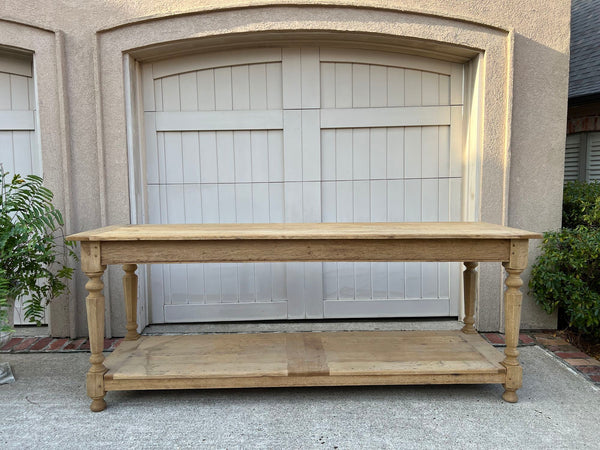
(18, 144)
(302, 135)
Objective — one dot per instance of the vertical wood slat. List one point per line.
(360, 79)
(173, 157)
(310, 77)
(32, 100)
(343, 85)
(5, 92)
(412, 88)
(395, 88)
(413, 152)
(257, 74)
(430, 89)
(275, 148)
(360, 154)
(19, 86)
(223, 94)
(378, 153)
(208, 157)
(22, 153)
(274, 83)
(378, 86)
(205, 81)
(6, 151)
(171, 94)
(240, 88)
(292, 142)
(190, 153)
(327, 85)
(311, 146)
(291, 73)
(259, 149)
(188, 92)
(242, 153)
(148, 88)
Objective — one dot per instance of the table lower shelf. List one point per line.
(303, 359)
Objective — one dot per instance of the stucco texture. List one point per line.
(524, 54)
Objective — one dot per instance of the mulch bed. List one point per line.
(585, 344)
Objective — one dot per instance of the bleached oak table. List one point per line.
(302, 359)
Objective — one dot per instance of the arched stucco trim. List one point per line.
(152, 38)
(47, 48)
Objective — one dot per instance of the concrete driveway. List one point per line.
(47, 408)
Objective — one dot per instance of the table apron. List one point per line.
(281, 250)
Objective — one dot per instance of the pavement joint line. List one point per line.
(574, 358)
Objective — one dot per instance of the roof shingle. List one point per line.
(584, 72)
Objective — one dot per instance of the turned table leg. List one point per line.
(470, 287)
(90, 262)
(512, 318)
(130, 285)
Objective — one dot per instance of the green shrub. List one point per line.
(581, 204)
(33, 251)
(567, 275)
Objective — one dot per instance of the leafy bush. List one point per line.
(566, 275)
(30, 228)
(581, 204)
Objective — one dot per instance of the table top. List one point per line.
(282, 231)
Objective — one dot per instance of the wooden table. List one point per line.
(302, 359)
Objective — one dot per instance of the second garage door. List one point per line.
(302, 135)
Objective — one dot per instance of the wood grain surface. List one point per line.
(273, 231)
(303, 359)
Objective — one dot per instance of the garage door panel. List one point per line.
(332, 55)
(220, 283)
(239, 88)
(193, 63)
(353, 85)
(347, 281)
(303, 135)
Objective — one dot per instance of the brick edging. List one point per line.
(54, 345)
(586, 365)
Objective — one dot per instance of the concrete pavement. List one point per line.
(47, 408)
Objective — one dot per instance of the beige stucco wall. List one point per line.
(79, 47)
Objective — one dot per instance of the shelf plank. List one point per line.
(303, 359)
